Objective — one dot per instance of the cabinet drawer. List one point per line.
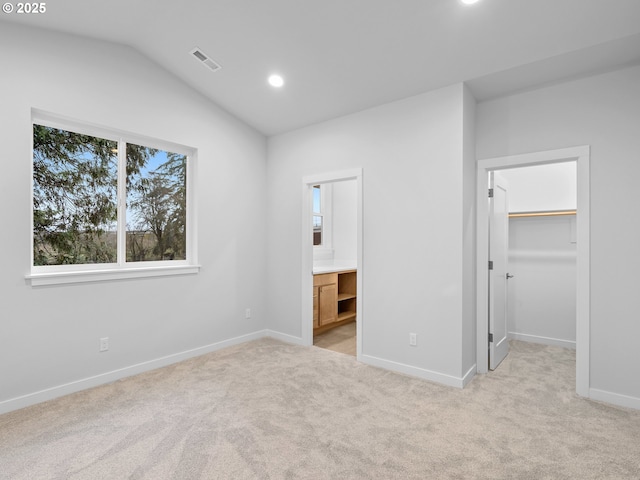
(325, 279)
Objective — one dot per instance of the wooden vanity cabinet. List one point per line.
(316, 307)
(326, 301)
(334, 299)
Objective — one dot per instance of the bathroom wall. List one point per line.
(345, 218)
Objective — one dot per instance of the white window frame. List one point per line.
(121, 269)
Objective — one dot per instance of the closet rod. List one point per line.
(551, 213)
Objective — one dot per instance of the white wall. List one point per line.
(468, 334)
(345, 221)
(49, 335)
(542, 294)
(542, 255)
(602, 111)
(411, 153)
(542, 187)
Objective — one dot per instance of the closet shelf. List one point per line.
(550, 213)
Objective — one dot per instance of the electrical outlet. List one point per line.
(413, 339)
(247, 313)
(104, 344)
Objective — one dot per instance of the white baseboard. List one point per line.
(450, 380)
(614, 398)
(394, 366)
(284, 337)
(469, 375)
(442, 378)
(108, 377)
(554, 342)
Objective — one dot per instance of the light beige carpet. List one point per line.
(269, 410)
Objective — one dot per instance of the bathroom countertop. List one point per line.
(337, 267)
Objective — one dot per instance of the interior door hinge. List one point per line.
(491, 338)
(490, 264)
(491, 193)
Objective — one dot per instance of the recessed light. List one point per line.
(469, 2)
(276, 81)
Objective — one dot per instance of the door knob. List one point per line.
(509, 276)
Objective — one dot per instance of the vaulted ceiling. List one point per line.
(342, 56)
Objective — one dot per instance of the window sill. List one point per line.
(61, 278)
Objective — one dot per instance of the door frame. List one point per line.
(306, 314)
(581, 155)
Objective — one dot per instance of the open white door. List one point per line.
(498, 264)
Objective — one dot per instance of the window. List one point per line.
(321, 221)
(156, 204)
(108, 202)
(317, 215)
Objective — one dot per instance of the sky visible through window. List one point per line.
(316, 199)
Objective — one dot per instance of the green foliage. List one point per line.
(75, 200)
(74, 197)
(158, 204)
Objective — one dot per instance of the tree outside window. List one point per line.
(76, 219)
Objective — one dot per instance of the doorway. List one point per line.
(581, 156)
(310, 186)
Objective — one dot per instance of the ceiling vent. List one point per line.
(205, 60)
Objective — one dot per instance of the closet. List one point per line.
(542, 254)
